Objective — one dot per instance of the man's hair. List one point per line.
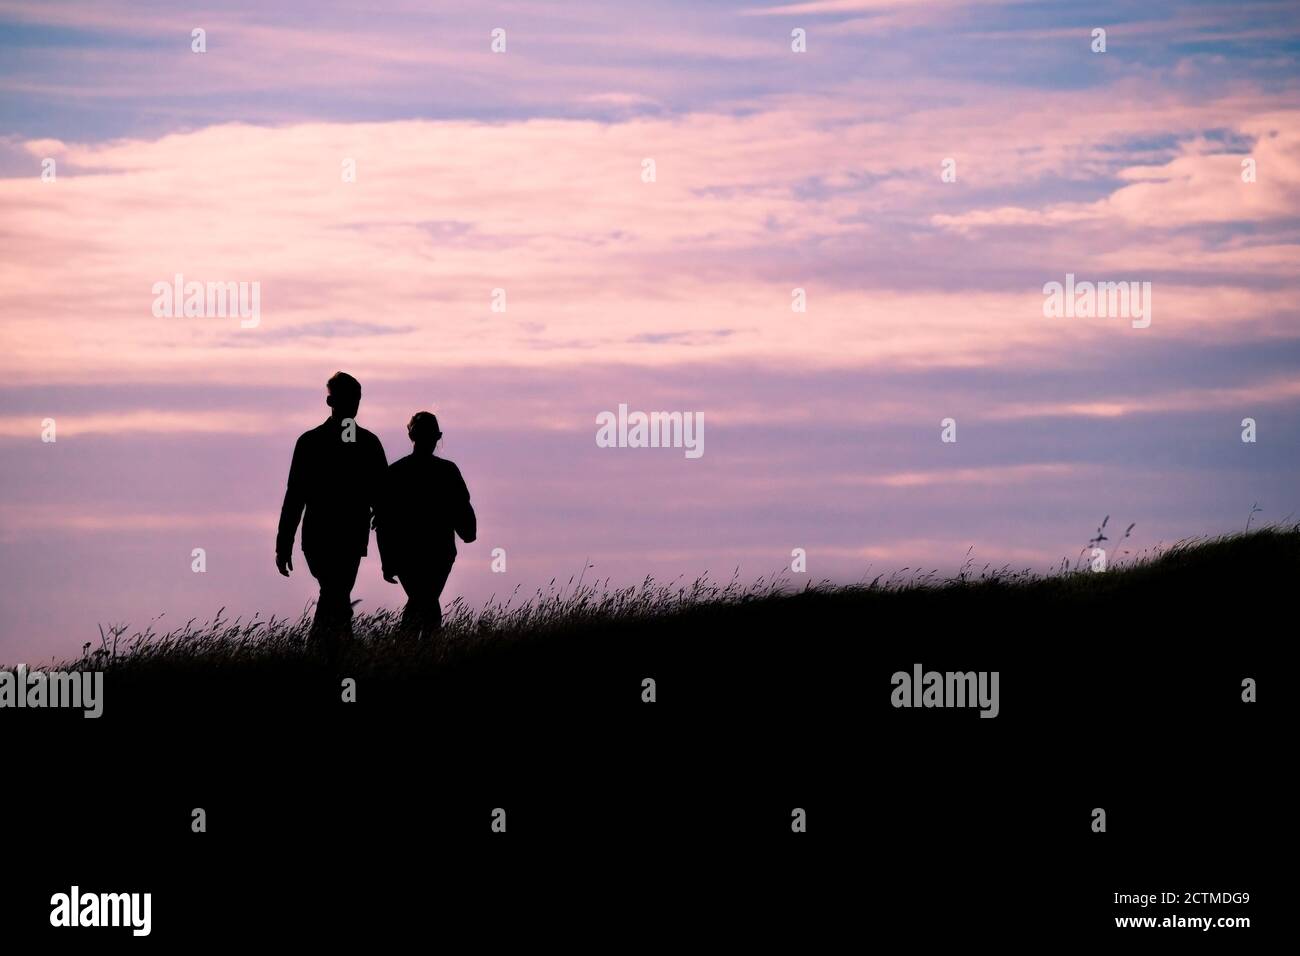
(423, 426)
(344, 386)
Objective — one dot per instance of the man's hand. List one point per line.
(389, 576)
(284, 563)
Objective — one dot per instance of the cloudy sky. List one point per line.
(525, 171)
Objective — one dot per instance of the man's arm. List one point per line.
(466, 520)
(376, 483)
(295, 499)
(380, 508)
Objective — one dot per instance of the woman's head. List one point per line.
(423, 430)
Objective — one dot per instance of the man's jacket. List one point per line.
(337, 482)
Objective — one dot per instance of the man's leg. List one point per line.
(336, 575)
(346, 581)
(319, 569)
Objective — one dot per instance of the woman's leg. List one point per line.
(423, 586)
(438, 581)
(414, 584)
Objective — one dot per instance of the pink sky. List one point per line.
(523, 171)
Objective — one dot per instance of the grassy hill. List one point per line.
(1119, 689)
(585, 642)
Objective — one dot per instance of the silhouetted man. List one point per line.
(338, 468)
(424, 505)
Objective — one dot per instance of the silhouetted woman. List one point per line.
(424, 505)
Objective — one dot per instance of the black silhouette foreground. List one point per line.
(335, 479)
(765, 702)
(424, 505)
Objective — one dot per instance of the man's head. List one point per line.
(423, 430)
(344, 395)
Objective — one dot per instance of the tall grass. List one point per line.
(579, 605)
